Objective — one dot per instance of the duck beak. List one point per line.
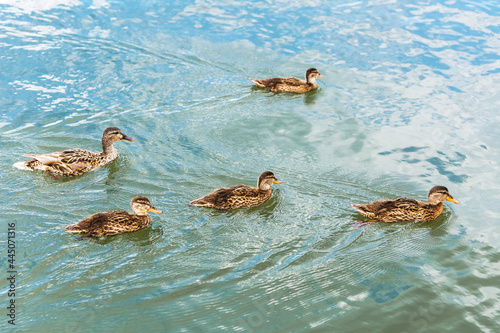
(452, 199)
(276, 181)
(127, 138)
(319, 75)
(154, 210)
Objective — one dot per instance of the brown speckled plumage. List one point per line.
(73, 162)
(290, 84)
(239, 196)
(406, 209)
(116, 222)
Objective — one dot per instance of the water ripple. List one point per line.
(408, 101)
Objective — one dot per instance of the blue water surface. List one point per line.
(409, 100)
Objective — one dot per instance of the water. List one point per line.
(409, 100)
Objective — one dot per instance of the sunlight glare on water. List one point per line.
(408, 101)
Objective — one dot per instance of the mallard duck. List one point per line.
(290, 84)
(240, 195)
(116, 222)
(73, 162)
(406, 209)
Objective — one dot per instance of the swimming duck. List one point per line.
(290, 84)
(240, 195)
(406, 209)
(73, 162)
(116, 222)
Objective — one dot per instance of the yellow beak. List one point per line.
(276, 181)
(451, 199)
(127, 138)
(154, 210)
(320, 75)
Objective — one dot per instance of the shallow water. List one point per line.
(409, 100)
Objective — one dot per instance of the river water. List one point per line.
(409, 100)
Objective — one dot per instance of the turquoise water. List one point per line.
(409, 100)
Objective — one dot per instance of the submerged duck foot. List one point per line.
(359, 224)
(81, 238)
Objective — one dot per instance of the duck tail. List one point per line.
(362, 209)
(21, 166)
(257, 83)
(30, 165)
(73, 228)
(200, 203)
(359, 208)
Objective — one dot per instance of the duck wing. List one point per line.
(274, 82)
(243, 191)
(72, 161)
(102, 223)
(221, 198)
(399, 204)
(377, 208)
(46, 159)
(67, 156)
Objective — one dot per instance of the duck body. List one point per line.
(69, 162)
(290, 84)
(286, 84)
(110, 223)
(234, 197)
(407, 209)
(76, 161)
(116, 222)
(239, 196)
(399, 210)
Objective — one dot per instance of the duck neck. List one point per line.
(108, 148)
(433, 200)
(145, 219)
(311, 80)
(264, 187)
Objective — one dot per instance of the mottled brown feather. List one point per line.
(401, 209)
(407, 209)
(234, 197)
(110, 223)
(290, 84)
(117, 221)
(239, 196)
(76, 161)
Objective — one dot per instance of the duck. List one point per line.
(76, 161)
(407, 209)
(240, 196)
(116, 222)
(290, 84)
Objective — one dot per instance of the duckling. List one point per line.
(290, 84)
(240, 196)
(73, 162)
(406, 209)
(116, 222)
